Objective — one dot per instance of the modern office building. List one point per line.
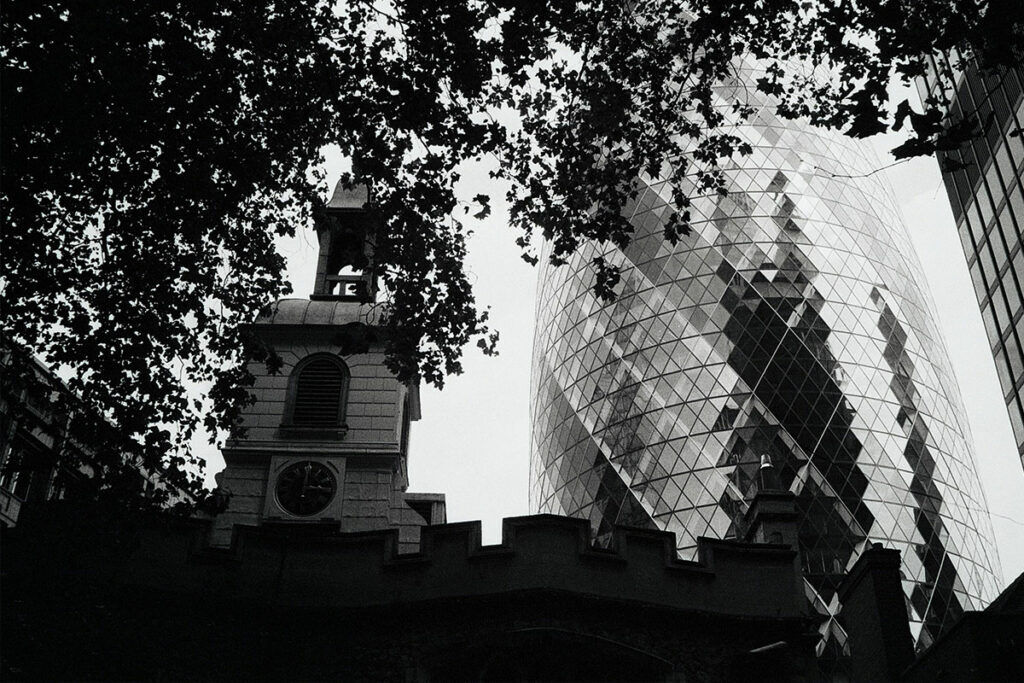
(794, 322)
(983, 180)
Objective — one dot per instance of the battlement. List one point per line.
(317, 568)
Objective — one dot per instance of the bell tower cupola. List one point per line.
(346, 229)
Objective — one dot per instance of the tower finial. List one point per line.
(767, 477)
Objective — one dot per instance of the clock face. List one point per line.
(305, 488)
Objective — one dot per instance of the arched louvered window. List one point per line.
(317, 393)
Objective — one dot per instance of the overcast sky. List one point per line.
(473, 441)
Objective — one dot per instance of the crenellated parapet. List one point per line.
(315, 566)
(307, 602)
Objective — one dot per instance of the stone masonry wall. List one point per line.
(144, 601)
(375, 397)
(246, 482)
(366, 502)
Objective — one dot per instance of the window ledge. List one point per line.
(313, 433)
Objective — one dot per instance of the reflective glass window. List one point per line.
(1003, 372)
(965, 237)
(1012, 235)
(988, 317)
(992, 180)
(996, 242)
(976, 277)
(987, 264)
(1016, 201)
(950, 180)
(1017, 423)
(1002, 311)
(985, 207)
(1013, 356)
(1013, 302)
(1006, 168)
(977, 225)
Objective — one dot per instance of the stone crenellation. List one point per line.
(315, 566)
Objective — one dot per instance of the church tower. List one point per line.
(326, 441)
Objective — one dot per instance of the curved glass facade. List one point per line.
(794, 322)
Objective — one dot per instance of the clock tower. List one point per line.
(326, 441)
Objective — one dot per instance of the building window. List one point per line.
(317, 394)
(26, 471)
(9, 471)
(1016, 422)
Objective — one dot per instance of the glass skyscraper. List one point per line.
(793, 322)
(984, 187)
